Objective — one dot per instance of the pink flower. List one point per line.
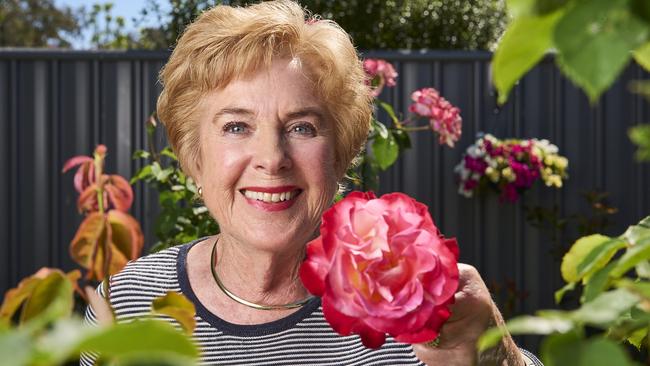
(443, 117)
(381, 266)
(381, 74)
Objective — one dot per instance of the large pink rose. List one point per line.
(381, 266)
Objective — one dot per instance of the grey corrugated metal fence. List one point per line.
(55, 104)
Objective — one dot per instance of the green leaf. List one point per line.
(177, 306)
(636, 233)
(140, 154)
(142, 174)
(641, 288)
(403, 139)
(637, 337)
(549, 6)
(381, 129)
(570, 349)
(167, 151)
(154, 359)
(139, 336)
(633, 256)
(522, 46)
(517, 8)
(598, 283)
(642, 56)
(524, 325)
(559, 294)
(577, 254)
(16, 347)
(606, 307)
(391, 113)
(643, 269)
(53, 297)
(594, 40)
(640, 136)
(386, 151)
(599, 257)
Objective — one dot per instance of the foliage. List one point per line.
(36, 23)
(592, 41)
(181, 218)
(614, 276)
(108, 237)
(509, 166)
(107, 31)
(415, 24)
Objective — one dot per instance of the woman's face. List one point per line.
(267, 158)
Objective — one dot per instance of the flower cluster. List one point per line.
(511, 166)
(382, 267)
(443, 117)
(381, 73)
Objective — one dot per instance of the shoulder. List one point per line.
(132, 290)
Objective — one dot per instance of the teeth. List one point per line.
(269, 197)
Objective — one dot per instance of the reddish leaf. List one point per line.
(127, 236)
(87, 200)
(120, 193)
(87, 245)
(74, 161)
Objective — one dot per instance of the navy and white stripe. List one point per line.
(302, 338)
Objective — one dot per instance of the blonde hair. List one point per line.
(226, 43)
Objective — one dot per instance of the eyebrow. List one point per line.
(301, 112)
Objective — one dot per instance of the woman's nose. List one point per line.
(271, 153)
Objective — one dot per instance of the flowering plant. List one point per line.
(108, 237)
(510, 166)
(381, 266)
(388, 142)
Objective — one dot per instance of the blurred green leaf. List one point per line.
(52, 297)
(640, 136)
(599, 256)
(140, 154)
(142, 174)
(381, 129)
(594, 40)
(524, 325)
(167, 151)
(642, 56)
(559, 294)
(635, 233)
(403, 139)
(606, 307)
(178, 307)
(391, 112)
(637, 338)
(139, 336)
(16, 347)
(522, 46)
(570, 349)
(633, 256)
(385, 150)
(577, 254)
(597, 283)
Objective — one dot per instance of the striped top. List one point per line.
(302, 338)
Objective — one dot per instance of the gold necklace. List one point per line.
(238, 299)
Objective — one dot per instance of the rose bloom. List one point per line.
(381, 266)
(382, 72)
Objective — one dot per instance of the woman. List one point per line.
(266, 109)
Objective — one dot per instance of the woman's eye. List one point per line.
(304, 129)
(236, 128)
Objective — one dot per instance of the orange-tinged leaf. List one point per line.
(177, 306)
(53, 289)
(86, 244)
(119, 192)
(127, 236)
(74, 161)
(87, 200)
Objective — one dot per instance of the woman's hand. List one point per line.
(472, 313)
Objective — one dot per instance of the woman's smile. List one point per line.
(271, 198)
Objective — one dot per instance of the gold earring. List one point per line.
(200, 192)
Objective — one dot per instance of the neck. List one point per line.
(260, 276)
